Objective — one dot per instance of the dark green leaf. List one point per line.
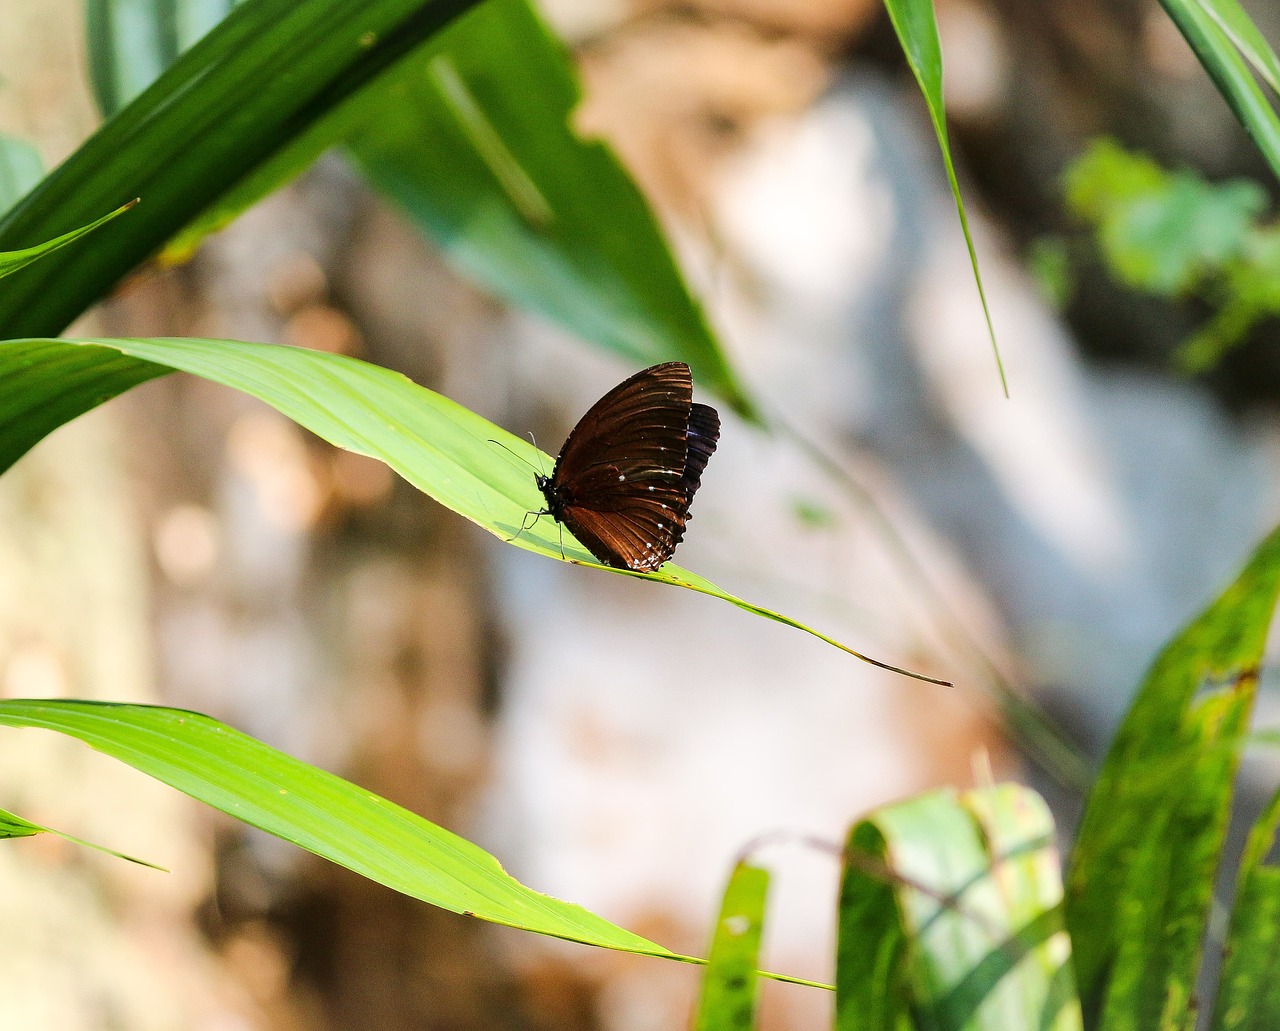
(131, 42)
(472, 137)
(1142, 871)
(730, 982)
(1249, 990)
(233, 100)
(475, 142)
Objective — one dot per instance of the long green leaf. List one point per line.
(917, 29)
(229, 103)
(476, 144)
(319, 812)
(440, 447)
(1218, 54)
(1142, 871)
(728, 1001)
(950, 918)
(12, 261)
(471, 135)
(14, 826)
(1249, 990)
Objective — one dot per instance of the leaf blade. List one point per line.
(917, 30)
(1142, 870)
(1217, 53)
(730, 982)
(217, 114)
(12, 261)
(437, 445)
(317, 811)
(951, 918)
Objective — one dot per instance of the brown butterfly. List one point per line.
(625, 478)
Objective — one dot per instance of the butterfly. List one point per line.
(624, 480)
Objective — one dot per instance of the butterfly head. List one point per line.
(552, 492)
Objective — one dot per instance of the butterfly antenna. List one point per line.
(534, 441)
(514, 455)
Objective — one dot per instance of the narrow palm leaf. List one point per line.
(437, 445)
(319, 812)
(224, 108)
(917, 29)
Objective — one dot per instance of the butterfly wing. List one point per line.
(621, 476)
(702, 437)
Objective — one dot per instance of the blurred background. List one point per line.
(612, 742)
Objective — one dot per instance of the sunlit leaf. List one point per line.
(317, 811)
(472, 137)
(1249, 989)
(950, 918)
(1220, 57)
(14, 826)
(1231, 18)
(437, 445)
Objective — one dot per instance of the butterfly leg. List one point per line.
(525, 524)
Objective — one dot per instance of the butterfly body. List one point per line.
(625, 478)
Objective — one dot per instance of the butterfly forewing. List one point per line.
(639, 426)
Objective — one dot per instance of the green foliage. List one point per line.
(1229, 45)
(1249, 992)
(1143, 867)
(219, 113)
(477, 147)
(730, 983)
(14, 826)
(950, 917)
(952, 913)
(1174, 235)
(917, 30)
(440, 447)
(131, 42)
(12, 261)
(317, 811)
(471, 136)
(1160, 231)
